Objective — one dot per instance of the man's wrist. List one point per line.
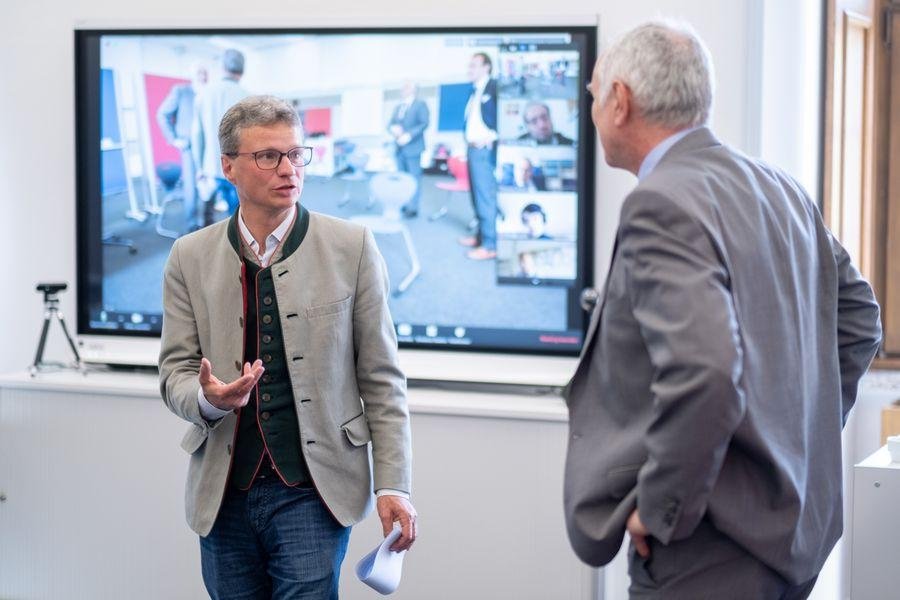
(391, 492)
(207, 409)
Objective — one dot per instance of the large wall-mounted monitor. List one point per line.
(136, 174)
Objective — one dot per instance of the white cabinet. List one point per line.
(93, 477)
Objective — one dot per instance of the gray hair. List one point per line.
(668, 69)
(254, 111)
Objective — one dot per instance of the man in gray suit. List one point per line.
(175, 117)
(211, 104)
(407, 126)
(723, 358)
(278, 348)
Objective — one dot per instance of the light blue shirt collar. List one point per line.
(654, 156)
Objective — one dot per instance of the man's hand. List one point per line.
(229, 396)
(404, 139)
(638, 534)
(397, 508)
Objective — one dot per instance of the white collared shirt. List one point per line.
(654, 156)
(272, 241)
(476, 131)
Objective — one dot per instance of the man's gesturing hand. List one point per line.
(397, 508)
(229, 396)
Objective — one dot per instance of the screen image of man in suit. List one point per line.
(407, 126)
(481, 140)
(540, 126)
(723, 358)
(176, 118)
(279, 349)
(216, 98)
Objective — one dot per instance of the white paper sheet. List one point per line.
(380, 569)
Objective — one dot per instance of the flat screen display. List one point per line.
(393, 117)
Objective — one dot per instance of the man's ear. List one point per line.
(227, 165)
(623, 107)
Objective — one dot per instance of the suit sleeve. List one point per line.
(679, 291)
(421, 121)
(198, 147)
(180, 354)
(382, 385)
(859, 326)
(167, 113)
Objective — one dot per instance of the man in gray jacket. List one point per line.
(723, 358)
(279, 350)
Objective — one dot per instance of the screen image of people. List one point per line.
(423, 151)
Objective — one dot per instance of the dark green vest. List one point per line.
(268, 423)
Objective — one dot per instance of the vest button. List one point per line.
(267, 339)
(267, 300)
(265, 416)
(266, 378)
(267, 319)
(237, 365)
(266, 397)
(267, 358)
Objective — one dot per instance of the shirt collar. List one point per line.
(482, 83)
(654, 156)
(279, 233)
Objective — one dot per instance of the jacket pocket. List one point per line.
(193, 439)
(621, 480)
(332, 308)
(357, 430)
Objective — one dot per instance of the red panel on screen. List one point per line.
(317, 121)
(157, 89)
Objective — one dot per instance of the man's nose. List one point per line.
(284, 166)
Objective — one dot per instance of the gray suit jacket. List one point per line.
(342, 356)
(414, 121)
(719, 367)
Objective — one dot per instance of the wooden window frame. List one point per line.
(880, 242)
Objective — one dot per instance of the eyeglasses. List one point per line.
(268, 160)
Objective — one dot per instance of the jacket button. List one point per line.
(267, 358)
(267, 319)
(266, 397)
(229, 449)
(241, 321)
(267, 300)
(265, 416)
(237, 365)
(267, 339)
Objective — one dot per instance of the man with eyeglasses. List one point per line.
(278, 348)
(540, 126)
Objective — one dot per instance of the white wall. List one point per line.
(761, 80)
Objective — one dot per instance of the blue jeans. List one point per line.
(273, 541)
(412, 164)
(484, 194)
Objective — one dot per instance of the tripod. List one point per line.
(51, 310)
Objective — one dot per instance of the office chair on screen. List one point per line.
(459, 169)
(392, 191)
(169, 174)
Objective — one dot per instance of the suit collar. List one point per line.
(698, 139)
